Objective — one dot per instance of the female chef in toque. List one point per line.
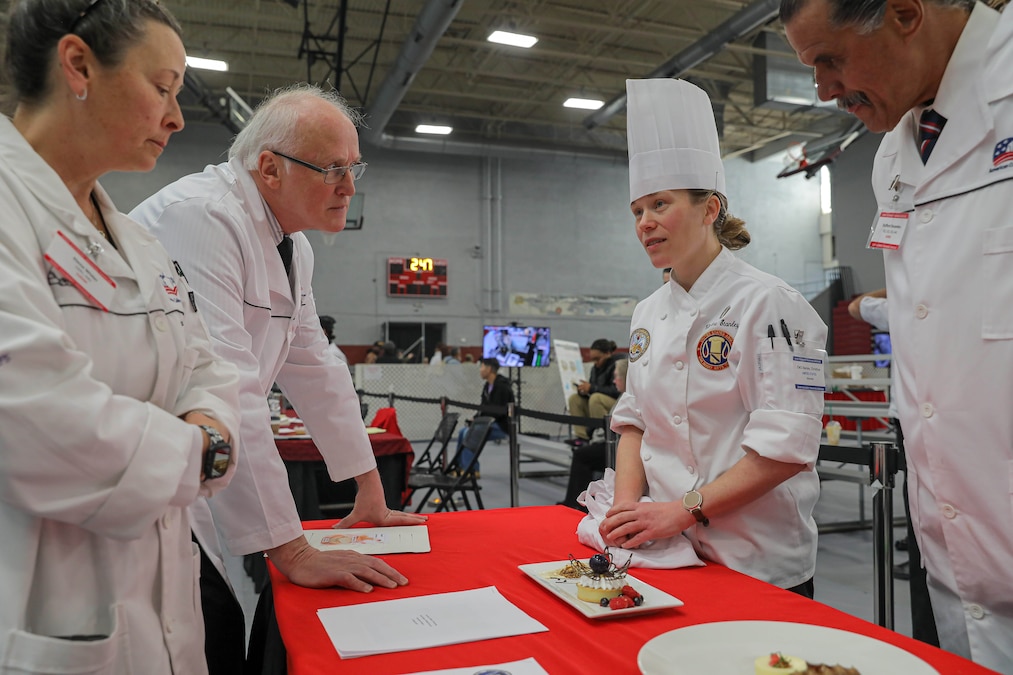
(720, 422)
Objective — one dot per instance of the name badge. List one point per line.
(80, 270)
(810, 372)
(888, 230)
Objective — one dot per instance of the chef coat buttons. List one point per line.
(168, 626)
(921, 311)
(679, 365)
(976, 611)
(691, 469)
(949, 512)
(664, 316)
(926, 215)
(161, 324)
(677, 419)
(928, 410)
(166, 521)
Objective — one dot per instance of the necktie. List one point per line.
(929, 128)
(285, 251)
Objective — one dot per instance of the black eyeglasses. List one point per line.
(82, 14)
(332, 174)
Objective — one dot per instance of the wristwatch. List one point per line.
(216, 457)
(692, 501)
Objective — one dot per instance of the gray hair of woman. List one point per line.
(275, 122)
(865, 15)
(109, 27)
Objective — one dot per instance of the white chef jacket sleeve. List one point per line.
(874, 311)
(71, 449)
(781, 387)
(320, 387)
(214, 247)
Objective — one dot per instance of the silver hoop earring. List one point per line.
(82, 96)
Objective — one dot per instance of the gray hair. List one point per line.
(865, 15)
(109, 27)
(275, 123)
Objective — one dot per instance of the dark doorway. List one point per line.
(416, 340)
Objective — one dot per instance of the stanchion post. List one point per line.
(515, 457)
(611, 443)
(881, 475)
(390, 400)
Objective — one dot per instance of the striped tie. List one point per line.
(929, 128)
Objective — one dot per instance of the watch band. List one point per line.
(217, 456)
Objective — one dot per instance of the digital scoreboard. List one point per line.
(417, 277)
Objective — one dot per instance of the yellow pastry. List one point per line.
(778, 664)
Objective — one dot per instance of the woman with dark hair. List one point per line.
(114, 416)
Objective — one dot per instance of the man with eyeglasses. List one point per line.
(236, 230)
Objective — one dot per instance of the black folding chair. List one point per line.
(456, 479)
(434, 457)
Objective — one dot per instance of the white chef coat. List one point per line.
(97, 468)
(219, 227)
(705, 382)
(950, 286)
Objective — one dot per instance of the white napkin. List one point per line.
(661, 554)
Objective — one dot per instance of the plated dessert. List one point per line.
(600, 581)
(776, 663)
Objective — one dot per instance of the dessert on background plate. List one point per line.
(777, 663)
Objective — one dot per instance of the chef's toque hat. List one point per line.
(673, 140)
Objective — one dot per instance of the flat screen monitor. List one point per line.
(515, 346)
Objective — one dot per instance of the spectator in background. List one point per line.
(496, 394)
(469, 358)
(372, 355)
(453, 356)
(327, 324)
(591, 458)
(390, 354)
(438, 353)
(596, 395)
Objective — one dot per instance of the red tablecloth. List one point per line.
(303, 450)
(472, 549)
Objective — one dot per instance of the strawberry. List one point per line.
(630, 592)
(620, 602)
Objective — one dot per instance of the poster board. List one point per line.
(571, 366)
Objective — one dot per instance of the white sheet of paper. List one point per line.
(373, 540)
(426, 621)
(524, 667)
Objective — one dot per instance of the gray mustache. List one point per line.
(857, 98)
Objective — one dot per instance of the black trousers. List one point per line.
(224, 624)
(587, 460)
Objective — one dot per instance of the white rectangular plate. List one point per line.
(566, 590)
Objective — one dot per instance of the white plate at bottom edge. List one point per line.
(732, 646)
(566, 589)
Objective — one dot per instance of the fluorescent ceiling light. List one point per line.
(433, 129)
(583, 103)
(513, 39)
(207, 64)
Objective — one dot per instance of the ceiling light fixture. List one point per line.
(513, 39)
(207, 64)
(583, 103)
(436, 129)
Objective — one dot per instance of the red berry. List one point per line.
(630, 592)
(620, 602)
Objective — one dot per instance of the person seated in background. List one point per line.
(327, 324)
(453, 355)
(496, 394)
(592, 457)
(438, 353)
(372, 355)
(389, 354)
(596, 395)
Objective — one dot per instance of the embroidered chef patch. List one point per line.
(171, 287)
(1002, 156)
(713, 349)
(639, 342)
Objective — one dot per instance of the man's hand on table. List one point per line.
(371, 506)
(304, 565)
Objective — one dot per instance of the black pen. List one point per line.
(786, 334)
(770, 334)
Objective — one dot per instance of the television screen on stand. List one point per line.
(516, 346)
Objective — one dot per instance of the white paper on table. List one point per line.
(525, 667)
(425, 621)
(372, 540)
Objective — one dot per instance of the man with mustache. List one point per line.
(937, 76)
(236, 229)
